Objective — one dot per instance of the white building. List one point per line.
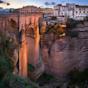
(74, 11)
(81, 11)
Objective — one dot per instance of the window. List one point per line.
(84, 11)
(76, 12)
(80, 11)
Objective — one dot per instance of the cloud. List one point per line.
(1, 1)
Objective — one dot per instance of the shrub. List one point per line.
(73, 33)
(71, 23)
(79, 78)
(5, 66)
(14, 81)
(31, 68)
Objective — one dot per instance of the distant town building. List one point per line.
(47, 12)
(74, 11)
(29, 9)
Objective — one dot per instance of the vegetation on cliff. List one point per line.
(78, 78)
(7, 79)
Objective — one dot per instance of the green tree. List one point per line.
(7, 79)
(6, 55)
(71, 23)
(14, 81)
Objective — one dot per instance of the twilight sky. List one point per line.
(20, 3)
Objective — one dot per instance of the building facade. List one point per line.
(47, 12)
(74, 11)
(29, 9)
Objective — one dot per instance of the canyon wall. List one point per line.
(67, 53)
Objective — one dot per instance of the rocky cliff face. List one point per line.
(63, 55)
